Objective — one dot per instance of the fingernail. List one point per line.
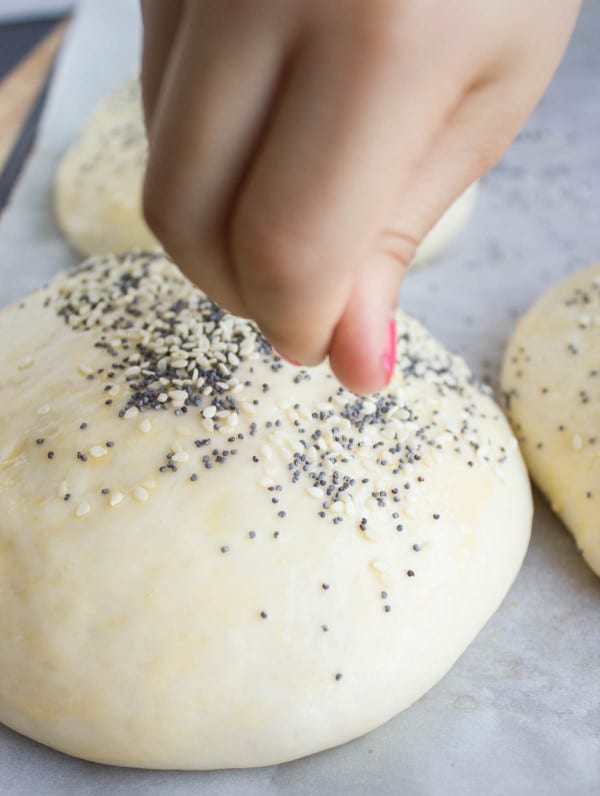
(389, 356)
(287, 359)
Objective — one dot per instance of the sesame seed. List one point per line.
(140, 493)
(97, 451)
(115, 498)
(145, 426)
(82, 509)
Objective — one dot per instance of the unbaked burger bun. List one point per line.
(551, 383)
(210, 558)
(98, 181)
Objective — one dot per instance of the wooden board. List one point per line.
(22, 85)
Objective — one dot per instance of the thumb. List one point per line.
(363, 347)
(470, 143)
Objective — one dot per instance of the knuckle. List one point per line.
(400, 246)
(293, 344)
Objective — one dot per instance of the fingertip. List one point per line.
(289, 360)
(307, 358)
(364, 366)
(362, 354)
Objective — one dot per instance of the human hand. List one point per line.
(300, 150)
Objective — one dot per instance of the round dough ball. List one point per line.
(551, 383)
(210, 558)
(448, 227)
(98, 181)
(98, 185)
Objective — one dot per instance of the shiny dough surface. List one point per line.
(551, 382)
(210, 558)
(98, 181)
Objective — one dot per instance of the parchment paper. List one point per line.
(520, 711)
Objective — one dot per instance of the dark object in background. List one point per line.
(16, 41)
(18, 38)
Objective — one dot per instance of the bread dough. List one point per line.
(211, 558)
(98, 185)
(551, 382)
(98, 181)
(448, 227)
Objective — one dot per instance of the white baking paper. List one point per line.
(520, 711)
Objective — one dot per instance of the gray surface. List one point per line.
(520, 712)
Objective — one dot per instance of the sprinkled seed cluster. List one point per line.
(171, 348)
(361, 461)
(169, 345)
(116, 127)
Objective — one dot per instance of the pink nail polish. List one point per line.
(389, 356)
(287, 359)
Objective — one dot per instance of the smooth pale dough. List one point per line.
(448, 227)
(98, 185)
(551, 383)
(98, 181)
(279, 565)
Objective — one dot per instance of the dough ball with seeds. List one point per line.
(98, 181)
(227, 560)
(450, 225)
(551, 382)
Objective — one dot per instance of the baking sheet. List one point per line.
(520, 711)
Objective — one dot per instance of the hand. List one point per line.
(301, 149)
